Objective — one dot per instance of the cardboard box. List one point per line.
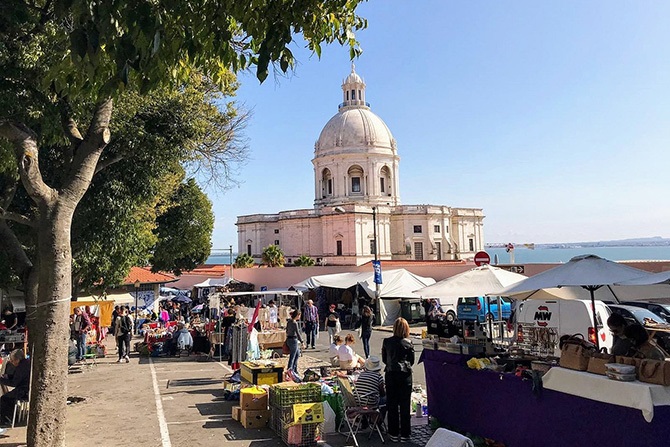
(253, 398)
(308, 413)
(255, 418)
(237, 413)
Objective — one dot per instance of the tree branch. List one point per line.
(70, 129)
(18, 218)
(88, 153)
(24, 141)
(107, 162)
(18, 258)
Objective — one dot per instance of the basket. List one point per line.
(280, 422)
(286, 394)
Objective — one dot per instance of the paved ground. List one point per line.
(134, 404)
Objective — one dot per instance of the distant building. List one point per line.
(355, 173)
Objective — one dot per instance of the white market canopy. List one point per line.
(588, 276)
(335, 280)
(213, 282)
(476, 282)
(398, 283)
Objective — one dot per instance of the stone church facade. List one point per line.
(356, 185)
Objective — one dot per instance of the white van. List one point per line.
(541, 323)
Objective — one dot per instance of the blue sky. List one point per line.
(553, 118)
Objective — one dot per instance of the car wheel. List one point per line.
(489, 317)
(451, 317)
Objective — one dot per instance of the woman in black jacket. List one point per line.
(366, 329)
(398, 355)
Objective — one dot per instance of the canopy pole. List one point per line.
(593, 289)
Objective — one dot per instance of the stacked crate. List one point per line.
(282, 398)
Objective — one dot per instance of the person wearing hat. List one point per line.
(332, 322)
(370, 386)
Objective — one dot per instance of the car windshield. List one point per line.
(642, 314)
(470, 301)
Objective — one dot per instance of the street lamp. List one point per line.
(137, 292)
(340, 210)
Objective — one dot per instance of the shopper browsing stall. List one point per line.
(367, 320)
(293, 340)
(370, 386)
(398, 355)
(80, 325)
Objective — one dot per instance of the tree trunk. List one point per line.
(48, 407)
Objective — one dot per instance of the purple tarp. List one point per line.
(504, 408)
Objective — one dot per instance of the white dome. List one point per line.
(353, 78)
(354, 128)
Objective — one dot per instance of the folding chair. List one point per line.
(354, 413)
(21, 408)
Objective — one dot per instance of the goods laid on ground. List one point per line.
(297, 412)
(261, 372)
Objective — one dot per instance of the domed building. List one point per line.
(356, 187)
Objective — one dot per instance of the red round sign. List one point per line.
(481, 258)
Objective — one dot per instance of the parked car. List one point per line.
(477, 309)
(662, 310)
(634, 314)
(549, 320)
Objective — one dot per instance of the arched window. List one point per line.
(355, 179)
(353, 95)
(326, 183)
(385, 180)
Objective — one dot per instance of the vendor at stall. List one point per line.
(334, 351)
(643, 345)
(19, 378)
(620, 344)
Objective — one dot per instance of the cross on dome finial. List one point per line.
(353, 68)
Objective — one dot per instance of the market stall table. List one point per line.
(506, 408)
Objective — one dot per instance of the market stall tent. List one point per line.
(398, 285)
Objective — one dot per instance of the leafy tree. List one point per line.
(273, 256)
(66, 62)
(304, 261)
(184, 231)
(243, 261)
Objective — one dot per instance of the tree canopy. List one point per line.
(273, 256)
(243, 261)
(304, 261)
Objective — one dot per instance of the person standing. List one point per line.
(332, 322)
(273, 315)
(398, 355)
(293, 340)
(123, 328)
(80, 325)
(366, 329)
(20, 380)
(311, 323)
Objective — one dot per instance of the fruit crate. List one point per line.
(286, 394)
(280, 422)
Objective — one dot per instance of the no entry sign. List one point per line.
(481, 258)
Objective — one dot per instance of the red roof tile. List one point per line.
(211, 270)
(145, 276)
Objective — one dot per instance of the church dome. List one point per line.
(354, 126)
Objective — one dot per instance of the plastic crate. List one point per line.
(286, 394)
(311, 434)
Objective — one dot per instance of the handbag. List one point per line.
(597, 362)
(575, 352)
(285, 349)
(654, 371)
